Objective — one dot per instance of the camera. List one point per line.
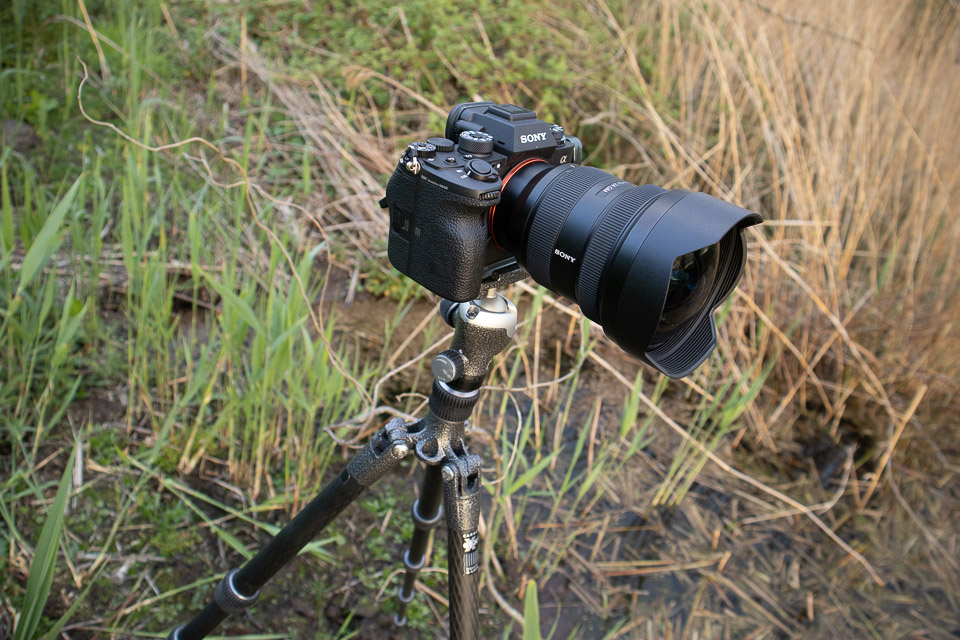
(503, 194)
(442, 191)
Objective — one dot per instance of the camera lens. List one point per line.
(648, 264)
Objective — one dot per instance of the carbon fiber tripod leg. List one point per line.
(427, 512)
(240, 588)
(461, 498)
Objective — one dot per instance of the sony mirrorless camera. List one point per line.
(502, 194)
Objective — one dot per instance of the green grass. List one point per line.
(132, 283)
(102, 243)
(179, 317)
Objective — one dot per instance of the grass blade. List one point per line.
(6, 212)
(232, 300)
(44, 560)
(48, 240)
(531, 612)
(530, 474)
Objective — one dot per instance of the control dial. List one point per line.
(421, 150)
(442, 144)
(476, 142)
(481, 170)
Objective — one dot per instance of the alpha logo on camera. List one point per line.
(563, 255)
(533, 137)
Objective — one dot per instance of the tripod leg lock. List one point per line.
(411, 567)
(422, 523)
(229, 598)
(461, 503)
(461, 497)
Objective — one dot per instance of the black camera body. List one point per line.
(442, 191)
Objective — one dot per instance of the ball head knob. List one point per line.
(447, 366)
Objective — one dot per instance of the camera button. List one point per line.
(450, 160)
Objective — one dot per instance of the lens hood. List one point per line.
(634, 291)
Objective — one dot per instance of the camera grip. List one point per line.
(437, 238)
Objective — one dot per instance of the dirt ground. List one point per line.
(724, 562)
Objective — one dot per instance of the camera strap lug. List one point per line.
(413, 166)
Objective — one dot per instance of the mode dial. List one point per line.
(476, 142)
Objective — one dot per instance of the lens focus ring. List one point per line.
(614, 224)
(564, 192)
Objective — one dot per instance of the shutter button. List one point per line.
(481, 170)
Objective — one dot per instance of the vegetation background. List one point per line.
(198, 323)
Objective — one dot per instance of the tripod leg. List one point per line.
(461, 502)
(427, 513)
(240, 588)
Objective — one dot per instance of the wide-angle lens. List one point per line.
(649, 265)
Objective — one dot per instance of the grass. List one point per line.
(194, 296)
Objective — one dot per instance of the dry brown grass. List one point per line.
(834, 120)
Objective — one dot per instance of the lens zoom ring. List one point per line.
(566, 190)
(604, 239)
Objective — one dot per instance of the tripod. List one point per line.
(450, 487)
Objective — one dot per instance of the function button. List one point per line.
(450, 160)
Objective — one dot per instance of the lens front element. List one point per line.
(692, 278)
